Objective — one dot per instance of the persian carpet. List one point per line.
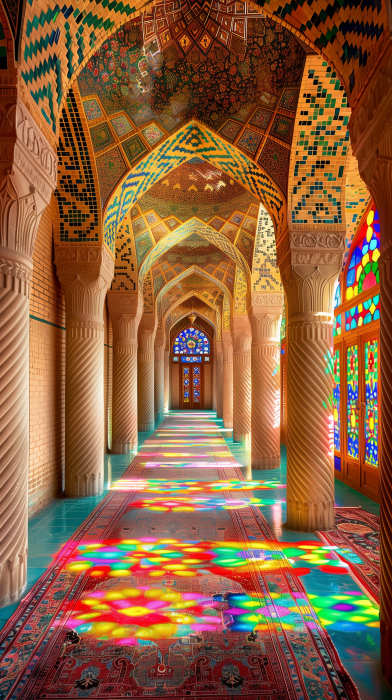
(357, 539)
(164, 594)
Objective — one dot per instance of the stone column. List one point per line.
(125, 309)
(28, 171)
(371, 137)
(213, 358)
(227, 343)
(219, 378)
(309, 271)
(166, 380)
(159, 371)
(145, 373)
(265, 318)
(85, 274)
(242, 337)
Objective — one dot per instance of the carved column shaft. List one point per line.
(125, 310)
(27, 178)
(265, 322)
(219, 379)
(214, 374)
(85, 275)
(159, 375)
(166, 389)
(371, 134)
(309, 281)
(145, 373)
(242, 388)
(227, 379)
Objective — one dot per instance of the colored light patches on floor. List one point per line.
(352, 611)
(136, 616)
(190, 465)
(190, 505)
(154, 557)
(160, 485)
(310, 554)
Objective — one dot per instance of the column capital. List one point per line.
(85, 274)
(305, 249)
(147, 330)
(242, 334)
(28, 173)
(265, 314)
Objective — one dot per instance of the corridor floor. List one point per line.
(189, 446)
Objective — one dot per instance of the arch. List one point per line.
(185, 314)
(189, 295)
(206, 344)
(193, 225)
(183, 275)
(189, 141)
(67, 39)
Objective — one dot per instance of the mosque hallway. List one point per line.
(182, 581)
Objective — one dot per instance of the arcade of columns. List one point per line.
(246, 389)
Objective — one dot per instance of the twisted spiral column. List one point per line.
(310, 473)
(381, 189)
(159, 369)
(84, 415)
(166, 381)
(145, 374)
(227, 408)
(242, 387)
(265, 406)
(14, 431)
(219, 379)
(125, 310)
(265, 321)
(85, 287)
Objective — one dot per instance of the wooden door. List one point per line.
(191, 386)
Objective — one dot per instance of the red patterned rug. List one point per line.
(357, 538)
(150, 602)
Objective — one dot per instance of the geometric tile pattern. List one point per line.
(320, 146)
(183, 231)
(110, 167)
(55, 41)
(190, 141)
(240, 292)
(265, 272)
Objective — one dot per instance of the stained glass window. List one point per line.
(337, 325)
(191, 341)
(283, 324)
(352, 399)
(186, 380)
(363, 271)
(191, 358)
(337, 300)
(336, 399)
(371, 414)
(196, 384)
(362, 314)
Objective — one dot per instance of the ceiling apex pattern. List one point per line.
(192, 140)
(54, 40)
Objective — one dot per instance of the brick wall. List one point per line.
(47, 373)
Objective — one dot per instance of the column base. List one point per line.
(123, 448)
(228, 424)
(83, 486)
(15, 598)
(310, 517)
(244, 438)
(146, 427)
(159, 418)
(386, 651)
(265, 462)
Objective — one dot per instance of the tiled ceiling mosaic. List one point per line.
(232, 69)
(54, 39)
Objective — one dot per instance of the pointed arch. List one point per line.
(189, 141)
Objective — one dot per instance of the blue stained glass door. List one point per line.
(191, 386)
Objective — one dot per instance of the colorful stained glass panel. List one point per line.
(336, 399)
(371, 413)
(196, 384)
(186, 383)
(337, 325)
(362, 314)
(352, 399)
(191, 341)
(337, 299)
(363, 270)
